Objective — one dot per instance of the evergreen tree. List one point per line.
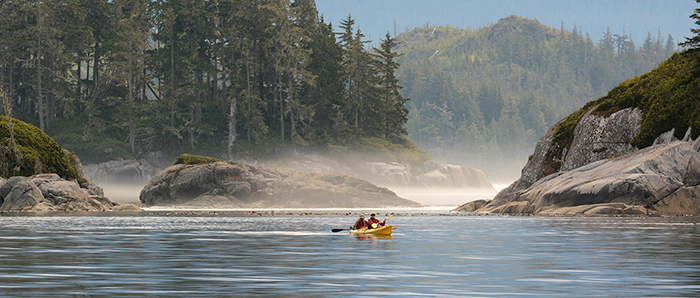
(694, 41)
(394, 111)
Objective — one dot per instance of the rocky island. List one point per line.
(43, 177)
(634, 151)
(195, 181)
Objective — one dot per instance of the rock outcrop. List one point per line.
(602, 173)
(595, 138)
(238, 185)
(49, 192)
(662, 179)
(628, 152)
(453, 176)
(427, 174)
(123, 171)
(472, 206)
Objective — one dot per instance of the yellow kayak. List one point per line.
(386, 230)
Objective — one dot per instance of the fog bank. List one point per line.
(446, 196)
(123, 193)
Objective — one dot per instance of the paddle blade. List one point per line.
(336, 230)
(388, 218)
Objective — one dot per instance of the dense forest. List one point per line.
(225, 78)
(484, 96)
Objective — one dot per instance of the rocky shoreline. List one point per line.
(306, 213)
(663, 179)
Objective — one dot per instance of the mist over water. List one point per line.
(450, 197)
(446, 196)
(123, 193)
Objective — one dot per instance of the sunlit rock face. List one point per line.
(662, 179)
(598, 138)
(602, 173)
(595, 138)
(238, 185)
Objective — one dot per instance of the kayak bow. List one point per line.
(386, 230)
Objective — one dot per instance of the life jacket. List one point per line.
(375, 221)
(360, 223)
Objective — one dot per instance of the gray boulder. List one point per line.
(123, 171)
(85, 182)
(53, 187)
(657, 179)
(238, 185)
(472, 206)
(598, 138)
(20, 194)
(49, 192)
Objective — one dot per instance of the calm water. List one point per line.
(428, 256)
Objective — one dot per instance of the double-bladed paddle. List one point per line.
(338, 230)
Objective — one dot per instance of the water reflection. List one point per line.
(298, 257)
(362, 237)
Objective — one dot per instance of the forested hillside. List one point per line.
(120, 78)
(480, 96)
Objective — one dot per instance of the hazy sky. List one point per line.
(637, 17)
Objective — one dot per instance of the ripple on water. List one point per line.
(281, 256)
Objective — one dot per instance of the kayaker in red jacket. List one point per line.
(373, 220)
(360, 223)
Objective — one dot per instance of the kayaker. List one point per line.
(374, 222)
(360, 223)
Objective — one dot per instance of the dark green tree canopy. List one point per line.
(122, 78)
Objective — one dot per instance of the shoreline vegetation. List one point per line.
(233, 80)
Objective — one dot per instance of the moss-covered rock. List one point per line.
(603, 135)
(189, 159)
(669, 97)
(39, 152)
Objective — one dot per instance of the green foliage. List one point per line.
(669, 97)
(479, 95)
(121, 78)
(189, 159)
(39, 153)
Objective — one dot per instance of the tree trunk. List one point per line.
(172, 79)
(50, 97)
(95, 70)
(40, 103)
(132, 126)
(231, 126)
(80, 75)
(191, 128)
(279, 87)
(290, 106)
(247, 74)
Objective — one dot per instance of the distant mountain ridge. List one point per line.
(492, 91)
